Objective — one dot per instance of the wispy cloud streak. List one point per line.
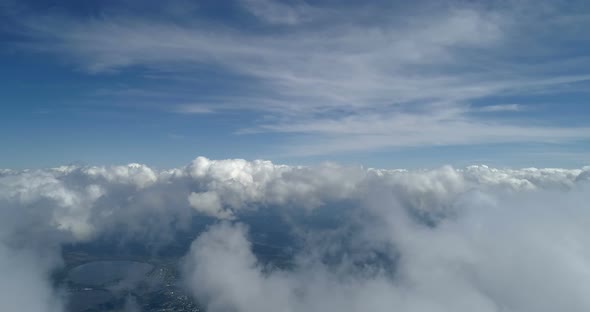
(328, 66)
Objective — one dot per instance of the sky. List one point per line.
(386, 84)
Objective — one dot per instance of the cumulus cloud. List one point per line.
(445, 239)
(40, 210)
(209, 203)
(499, 250)
(24, 284)
(76, 203)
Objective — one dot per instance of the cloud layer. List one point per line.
(382, 75)
(476, 238)
(453, 240)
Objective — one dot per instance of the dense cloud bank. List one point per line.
(519, 254)
(472, 239)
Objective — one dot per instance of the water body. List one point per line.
(100, 273)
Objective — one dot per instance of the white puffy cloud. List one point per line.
(221, 259)
(23, 282)
(447, 239)
(136, 174)
(240, 184)
(501, 251)
(209, 203)
(43, 209)
(81, 201)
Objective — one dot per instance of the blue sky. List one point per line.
(382, 83)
